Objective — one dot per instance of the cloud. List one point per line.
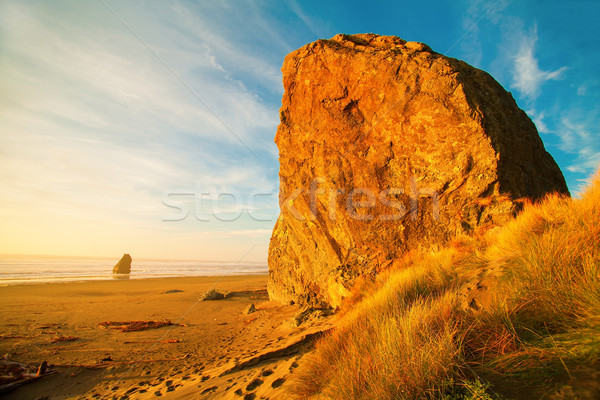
(584, 89)
(96, 129)
(538, 120)
(579, 135)
(527, 75)
(479, 12)
(314, 27)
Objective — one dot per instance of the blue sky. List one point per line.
(119, 119)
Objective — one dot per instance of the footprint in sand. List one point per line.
(277, 383)
(254, 384)
(132, 390)
(210, 390)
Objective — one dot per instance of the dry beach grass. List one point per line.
(512, 312)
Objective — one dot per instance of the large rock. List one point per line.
(436, 146)
(123, 266)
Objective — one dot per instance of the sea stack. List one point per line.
(387, 146)
(123, 266)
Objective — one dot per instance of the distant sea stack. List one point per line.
(386, 146)
(123, 266)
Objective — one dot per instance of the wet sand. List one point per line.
(213, 350)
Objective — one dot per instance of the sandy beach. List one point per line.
(213, 349)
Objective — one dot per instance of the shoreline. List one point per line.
(130, 277)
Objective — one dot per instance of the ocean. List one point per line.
(39, 269)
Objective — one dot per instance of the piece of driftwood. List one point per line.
(2, 337)
(60, 339)
(134, 326)
(14, 374)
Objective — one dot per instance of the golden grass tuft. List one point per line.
(408, 335)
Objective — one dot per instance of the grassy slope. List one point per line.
(506, 313)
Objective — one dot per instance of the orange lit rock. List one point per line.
(123, 266)
(384, 146)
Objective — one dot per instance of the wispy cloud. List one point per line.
(528, 77)
(580, 136)
(570, 131)
(316, 28)
(94, 129)
(586, 87)
(479, 12)
(538, 120)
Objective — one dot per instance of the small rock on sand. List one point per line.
(212, 294)
(250, 309)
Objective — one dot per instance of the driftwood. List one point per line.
(2, 337)
(60, 339)
(134, 326)
(54, 350)
(14, 374)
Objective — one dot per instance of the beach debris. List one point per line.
(250, 309)
(47, 326)
(107, 359)
(123, 266)
(134, 326)
(60, 339)
(14, 374)
(42, 369)
(2, 337)
(212, 294)
(173, 291)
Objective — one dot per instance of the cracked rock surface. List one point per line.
(386, 146)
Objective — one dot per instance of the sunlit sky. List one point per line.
(122, 122)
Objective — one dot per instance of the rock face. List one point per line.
(386, 146)
(123, 266)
